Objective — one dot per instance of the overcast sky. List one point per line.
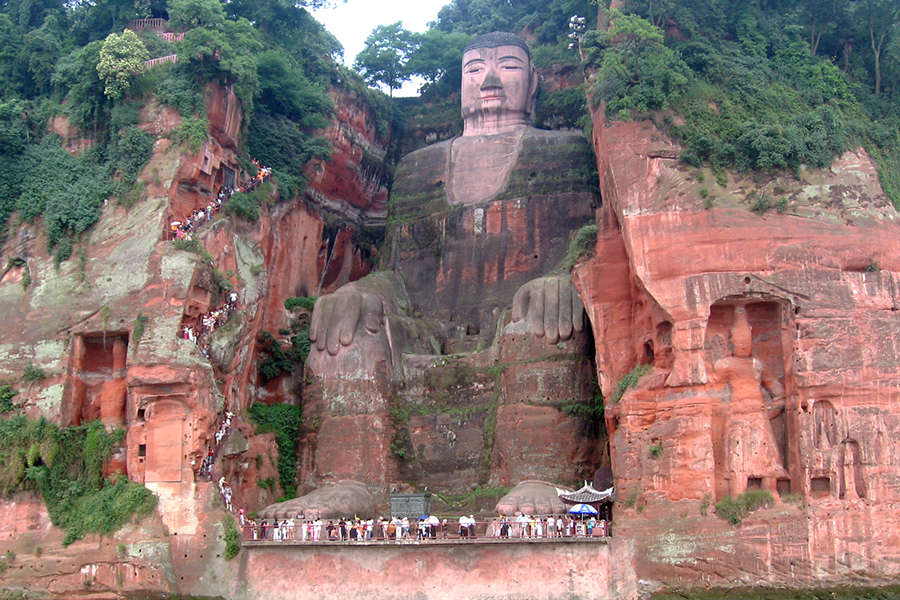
(353, 21)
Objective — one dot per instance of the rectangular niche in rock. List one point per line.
(96, 385)
(820, 486)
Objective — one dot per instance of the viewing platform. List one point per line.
(456, 541)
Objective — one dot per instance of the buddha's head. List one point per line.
(498, 84)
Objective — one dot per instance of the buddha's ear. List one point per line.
(532, 91)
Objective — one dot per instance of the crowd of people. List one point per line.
(209, 323)
(221, 433)
(427, 528)
(180, 229)
(186, 226)
(527, 526)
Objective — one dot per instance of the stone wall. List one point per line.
(474, 570)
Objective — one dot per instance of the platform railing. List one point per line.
(297, 531)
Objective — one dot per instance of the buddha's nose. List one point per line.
(491, 81)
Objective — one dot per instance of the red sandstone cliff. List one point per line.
(771, 341)
(80, 324)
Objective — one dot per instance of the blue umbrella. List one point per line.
(583, 509)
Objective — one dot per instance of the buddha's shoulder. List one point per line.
(422, 171)
(559, 139)
(436, 154)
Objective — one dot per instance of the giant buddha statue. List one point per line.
(477, 229)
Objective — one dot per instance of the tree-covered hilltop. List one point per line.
(78, 60)
(758, 85)
(767, 84)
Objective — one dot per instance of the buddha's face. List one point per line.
(498, 87)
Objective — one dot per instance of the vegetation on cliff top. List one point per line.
(742, 85)
(67, 466)
(757, 86)
(73, 59)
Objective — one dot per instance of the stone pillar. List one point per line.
(113, 392)
(120, 353)
(78, 393)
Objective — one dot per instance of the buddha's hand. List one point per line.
(550, 308)
(339, 317)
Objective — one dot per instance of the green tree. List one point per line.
(821, 18)
(10, 45)
(284, 90)
(121, 57)
(38, 55)
(188, 14)
(77, 80)
(435, 57)
(636, 71)
(881, 18)
(224, 54)
(383, 60)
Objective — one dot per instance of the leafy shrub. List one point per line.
(66, 465)
(556, 54)
(33, 373)
(304, 302)
(131, 151)
(656, 450)
(245, 205)
(629, 380)
(178, 90)
(223, 280)
(760, 204)
(137, 332)
(191, 133)
(67, 191)
(277, 361)
(7, 393)
(563, 108)
(286, 146)
(734, 510)
(634, 70)
(232, 538)
(194, 246)
(591, 411)
(283, 420)
(582, 244)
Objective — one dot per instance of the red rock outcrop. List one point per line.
(107, 330)
(769, 340)
(772, 365)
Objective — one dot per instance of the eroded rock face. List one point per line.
(107, 331)
(769, 338)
